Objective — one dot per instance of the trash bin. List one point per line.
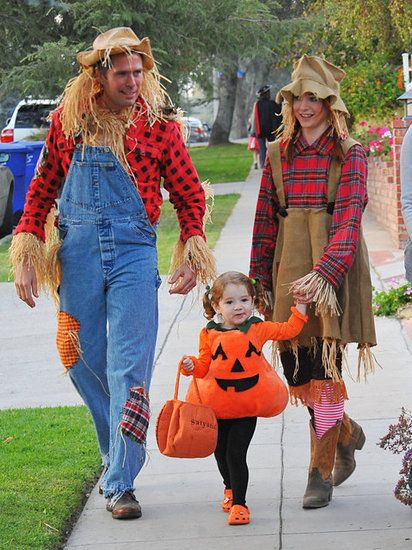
(31, 160)
(21, 157)
(13, 155)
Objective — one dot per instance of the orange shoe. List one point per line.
(238, 515)
(227, 500)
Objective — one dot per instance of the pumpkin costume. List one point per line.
(235, 379)
(308, 237)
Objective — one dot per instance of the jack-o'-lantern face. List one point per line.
(236, 383)
(240, 381)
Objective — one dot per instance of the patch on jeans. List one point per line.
(135, 415)
(67, 339)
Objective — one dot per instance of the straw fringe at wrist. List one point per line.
(28, 250)
(196, 253)
(324, 295)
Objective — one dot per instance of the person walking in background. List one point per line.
(267, 118)
(253, 145)
(235, 379)
(406, 197)
(307, 244)
(111, 141)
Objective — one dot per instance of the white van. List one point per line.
(28, 118)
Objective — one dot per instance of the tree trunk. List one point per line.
(258, 73)
(227, 97)
(241, 113)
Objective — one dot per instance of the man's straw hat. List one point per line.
(315, 75)
(114, 41)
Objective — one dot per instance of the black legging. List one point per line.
(234, 437)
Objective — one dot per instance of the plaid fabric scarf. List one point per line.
(135, 415)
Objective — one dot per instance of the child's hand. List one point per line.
(301, 307)
(187, 364)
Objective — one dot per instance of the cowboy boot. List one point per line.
(322, 458)
(351, 438)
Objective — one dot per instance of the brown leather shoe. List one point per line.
(125, 507)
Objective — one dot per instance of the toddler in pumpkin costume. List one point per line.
(235, 379)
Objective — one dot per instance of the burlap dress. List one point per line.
(302, 237)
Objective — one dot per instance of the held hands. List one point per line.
(299, 296)
(187, 364)
(26, 284)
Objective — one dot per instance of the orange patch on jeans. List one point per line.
(67, 339)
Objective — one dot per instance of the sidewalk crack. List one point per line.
(282, 472)
(166, 338)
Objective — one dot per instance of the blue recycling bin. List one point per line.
(21, 157)
(32, 157)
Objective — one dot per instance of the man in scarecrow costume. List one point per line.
(112, 138)
(308, 245)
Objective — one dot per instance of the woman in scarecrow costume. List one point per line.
(111, 141)
(308, 245)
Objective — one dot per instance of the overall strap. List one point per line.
(335, 173)
(276, 165)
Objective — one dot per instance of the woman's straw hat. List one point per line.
(114, 41)
(315, 75)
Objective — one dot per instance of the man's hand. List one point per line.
(26, 284)
(185, 279)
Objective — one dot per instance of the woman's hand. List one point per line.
(187, 364)
(299, 296)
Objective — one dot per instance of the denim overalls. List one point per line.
(109, 283)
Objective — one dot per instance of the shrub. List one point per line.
(388, 302)
(376, 140)
(370, 89)
(399, 440)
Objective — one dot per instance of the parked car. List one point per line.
(196, 130)
(6, 201)
(29, 117)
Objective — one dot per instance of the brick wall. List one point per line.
(384, 187)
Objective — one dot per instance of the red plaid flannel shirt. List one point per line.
(152, 152)
(305, 183)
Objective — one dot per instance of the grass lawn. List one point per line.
(4, 267)
(48, 462)
(167, 233)
(222, 163)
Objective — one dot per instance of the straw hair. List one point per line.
(82, 115)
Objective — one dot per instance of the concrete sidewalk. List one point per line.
(181, 498)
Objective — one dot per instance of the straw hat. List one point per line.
(315, 75)
(114, 41)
